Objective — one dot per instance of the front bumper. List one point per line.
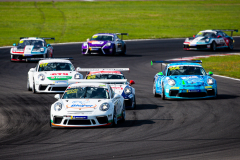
(191, 93)
(187, 46)
(22, 57)
(97, 50)
(81, 121)
(51, 88)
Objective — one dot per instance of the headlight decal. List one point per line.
(58, 106)
(127, 90)
(171, 82)
(77, 76)
(210, 81)
(104, 107)
(41, 77)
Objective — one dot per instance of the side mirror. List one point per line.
(132, 82)
(48, 45)
(219, 36)
(194, 36)
(160, 73)
(14, 44)
(32, 70)
(57, 96)
(87, 39)
(210, 73)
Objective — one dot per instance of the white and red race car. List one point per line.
(210, 40)
(125, 89)
(86, 104)
(51, 76)
(31, 47)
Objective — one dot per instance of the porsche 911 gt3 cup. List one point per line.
(124, 89)
(210, 39)
(31, 47)
(87, 105)
(184, 80)
(51, 76)
(105, 43)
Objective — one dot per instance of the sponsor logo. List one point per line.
(59, 74)
(174, 87)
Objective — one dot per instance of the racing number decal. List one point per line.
(174, 68)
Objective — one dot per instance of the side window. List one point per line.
(37, 67)
(164, 71)
(112, 93)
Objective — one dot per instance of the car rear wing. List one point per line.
(40, 37)
(101, 69)
(107, 81)
(231, 30)
(178, 61)
(38, 59)
(122, 35)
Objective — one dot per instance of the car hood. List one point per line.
(58, 75)
(82, 104)
(97, 43)
(191, 80)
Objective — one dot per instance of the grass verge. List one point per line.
(77, 21)
(223, 65)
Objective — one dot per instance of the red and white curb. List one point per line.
(206, 56)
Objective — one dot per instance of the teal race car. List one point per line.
(184, 80)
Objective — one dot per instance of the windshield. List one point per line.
(185, 70)
(105, 76)
(102, 38)
(206, 34)
(35, 43)
(55, 67)
(87, 93)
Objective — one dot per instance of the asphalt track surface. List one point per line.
(157, 129)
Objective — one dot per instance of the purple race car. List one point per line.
(105, 43)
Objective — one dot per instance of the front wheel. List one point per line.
(123, 115)
(124, 51)
(113, 50)
(213, 46)
(154, 90)
(33, 88)
(230, 45)
(28, 86)
(163, 93)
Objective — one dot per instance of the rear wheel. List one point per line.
(213, 46)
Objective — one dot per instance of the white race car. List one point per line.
(31, 47)
(87, 105)
(51, 76)
(125, 89)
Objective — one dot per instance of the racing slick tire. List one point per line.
(134, 104)
(230, 45)
(213, 46)
(124, 52)
(28, 86)
(154, 90)
(114, 51)
(163, 93)
(114, 122)
(123, 114)
(33, 88)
